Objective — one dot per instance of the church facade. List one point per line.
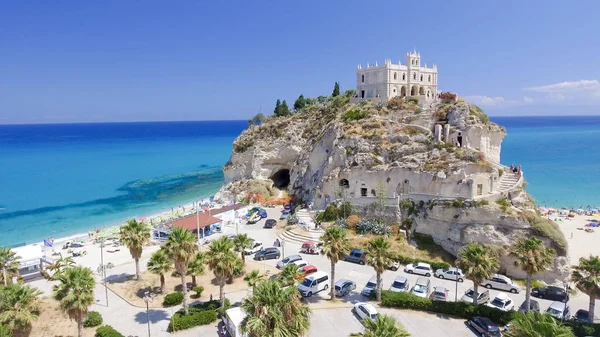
(382, 82)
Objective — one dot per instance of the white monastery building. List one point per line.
(389, 80)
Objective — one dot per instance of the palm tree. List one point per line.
(19, 306)
(159, 264)
(9, 264)
(586, 277)
(222, 261)
(378, 256)
(253, 278)
(335, 246)
(181, 247)
(5, 331)
(289, 275)
(383, 326)
(61, 263)
(274, 311)
(533, 257)
(135, 234)
(478, 264)
(197, 266)
(75, 293)
(242, 242)
(535, 324)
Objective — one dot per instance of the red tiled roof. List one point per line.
(191, 223)
(226, 208)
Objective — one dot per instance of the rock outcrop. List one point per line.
(366, 152)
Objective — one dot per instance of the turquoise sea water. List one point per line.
(59, 180)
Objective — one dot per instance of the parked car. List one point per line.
(365, 310)
(551, 293)
(344, 287)
(284, 215)
(288, 260)
(422, 287)
(300, 263)
(314, 283)
(450, 274)
(370, 286)
(395, 265)
(439, 294)
(400, 284)
(502, 302)
(484, 326)
(502, 282)
(533, 306)
(287, 207)
(256, 246)
(267, 254)
(270, 223)
(307, 270)
(356, 256)
(559, 310)
(419, 268)
(261, 212)
(483, 296)
(581, 315)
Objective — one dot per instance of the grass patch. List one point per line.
(354, 114)
(534, 283)
(548, 229)
(479, 203)
(474, 110)
(504, 204)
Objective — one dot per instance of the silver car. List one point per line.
(400, 284)
(502, 282)
(288, 260)
(450, 274)
(371, 286)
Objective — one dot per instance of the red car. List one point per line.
(307, 270)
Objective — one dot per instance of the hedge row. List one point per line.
(459, 309)
(584, 329)
(172, 299)
(107, 331)
(404, 260)
(199, 314)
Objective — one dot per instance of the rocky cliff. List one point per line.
(430, 155)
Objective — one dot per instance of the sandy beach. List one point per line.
(581, 243)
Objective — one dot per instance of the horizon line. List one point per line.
(242, 120)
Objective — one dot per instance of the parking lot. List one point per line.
(361, 274)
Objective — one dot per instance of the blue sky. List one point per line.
(90, 61)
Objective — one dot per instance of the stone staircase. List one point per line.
(305, 231)
(508, 181)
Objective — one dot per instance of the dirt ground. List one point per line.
(53, 323)
(133, 291)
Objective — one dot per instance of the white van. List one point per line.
(314, 283)
(233, 321)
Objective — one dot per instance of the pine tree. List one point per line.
(336, 89)
(277, 110)
(300, 103)
(284, 109)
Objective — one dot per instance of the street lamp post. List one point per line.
(456, 290)
(148, 298)
(103, 271)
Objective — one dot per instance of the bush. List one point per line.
(458, 204)
(173, 299)
(504, 204)
(412, 100)
(354, 114)
(500, 172)
(458, 309)
(448, 97)
(198, 290)
(479, 203)
(583, 329)
(180, 321)
(5, 331)
(404, 260)
(329, 214)
(93, 319)
(395, 103)
(107, 331)
(292, 219)
(352, 221)
(549, 229)
(370, 226)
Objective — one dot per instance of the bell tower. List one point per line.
(413, 59)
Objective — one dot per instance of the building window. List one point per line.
(403, 77)
(395, 76)
(429, 78)
(344, 183)
(363, 192)
(414, 76)
(421, 78)
(373, 193)
(394, 90)
(363, 79)
(479, 189)
(362, 94)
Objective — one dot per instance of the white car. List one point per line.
(419, 268)
(288, 260)
(502, 282)
(450, 274)
(365, 310)
(256, 246)
(502, 302)
(300, 263)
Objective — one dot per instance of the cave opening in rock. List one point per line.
(281, 178)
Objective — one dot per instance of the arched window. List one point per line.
(344, 183)
(395, 76)
(421, 78)
(394, 90)
(403, 77)
(414, 76)
(429, 78)
(363, 79)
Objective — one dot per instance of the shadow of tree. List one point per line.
(189, 286)
(120, 278)
(155, 316)
(142, 291)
